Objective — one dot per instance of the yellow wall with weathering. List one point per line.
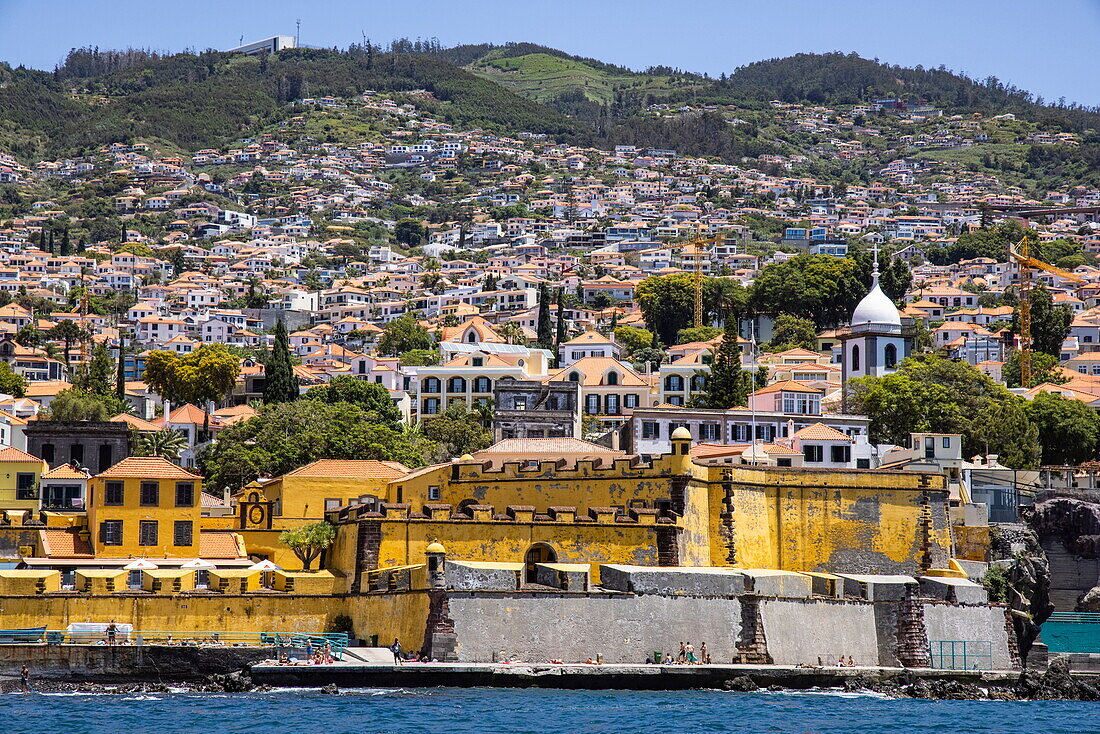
(302, 499)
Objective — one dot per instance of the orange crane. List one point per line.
(1028, 265)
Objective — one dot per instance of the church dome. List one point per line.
(876, 309)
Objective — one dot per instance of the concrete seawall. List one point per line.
(102, 663)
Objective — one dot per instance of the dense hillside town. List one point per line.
(339, 336)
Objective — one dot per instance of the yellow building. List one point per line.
(20, 474)
(307, 493)
(145, 506)
(794, 519)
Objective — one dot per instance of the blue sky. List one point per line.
(1049, 48)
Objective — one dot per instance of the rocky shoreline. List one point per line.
(1054, 684)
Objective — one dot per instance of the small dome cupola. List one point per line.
(876, 311)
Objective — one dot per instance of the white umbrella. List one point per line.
(264, 566)
(198, 565)
(139, 565)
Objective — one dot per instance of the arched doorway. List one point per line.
(538, 553)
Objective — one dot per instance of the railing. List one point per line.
(961, 654)
(288, 642)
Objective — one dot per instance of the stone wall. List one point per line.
(804, 630)
(621, 628)
(970, 624)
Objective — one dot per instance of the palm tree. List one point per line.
(166, 444)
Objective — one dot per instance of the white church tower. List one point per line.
(874, 344)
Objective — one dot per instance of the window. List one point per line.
(431, 406)
(76, 454)
(332, 503)
(456, 384)
(612, 378)
(929, 447)
(674, 383)
(182, 532)
(651, 429)
(519, 403)
(592, 404)
(147, 532)
(434, 493)
(630, 400)
(611, 404)
(483, 384)
(150, 494)
(24, 486)
(110, 532)
(574, 377)
(48, 450)
(185, 494)
(947, 442)
(431, 385)
(698, 382)
(113, 494)
(708, 431)
(840, 454)
(890, 356)
(863, 463)
(813, 453)
(478, 361)
(855, 357)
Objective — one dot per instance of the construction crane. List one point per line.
(697, 272)
(1028, 265)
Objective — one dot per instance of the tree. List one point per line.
(822, 288)
(930, 393)
(68, 332)
(1044, 368)
(410, 232)
(545, 330)
(667, 303)
(457, 430)
(307, 541)
(77, 405)
(419, 358)
(120, 373)
(205, 375)
(403, 334)
(639, 358)
(511, 332)
(560, 333)
(281, 385)
(697, 334)
(792, 332)
(166, 444)
(11, 383)
(632, 338)
(728, 385)
(369, 396)
(96, 376)
(1069, 429)
(285, 436)
(1049, 323)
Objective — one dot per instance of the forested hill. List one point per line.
(191, 101)
(201, 100)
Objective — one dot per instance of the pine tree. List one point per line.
(545, 328)
(120, 374)
(728, 385)
(281, 385)
(66, 245)
(559, 335)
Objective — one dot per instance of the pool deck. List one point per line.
(350, 673)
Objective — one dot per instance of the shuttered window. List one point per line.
(147, 532)
(182, 533)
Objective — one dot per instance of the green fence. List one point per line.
(962, 654)
(292, 643)
(1072, 632)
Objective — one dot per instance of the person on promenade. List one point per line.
(395, 648)
(682, 656)
(851, 663)
(704, 654)
(24, 676)
(112, 630)
(689, 650)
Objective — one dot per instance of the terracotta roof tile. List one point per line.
(353, 469)
(218, 545)
(64, 543)
(146, 466)
(65, 471)
(13, 454)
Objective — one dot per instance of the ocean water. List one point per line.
(457, 711)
